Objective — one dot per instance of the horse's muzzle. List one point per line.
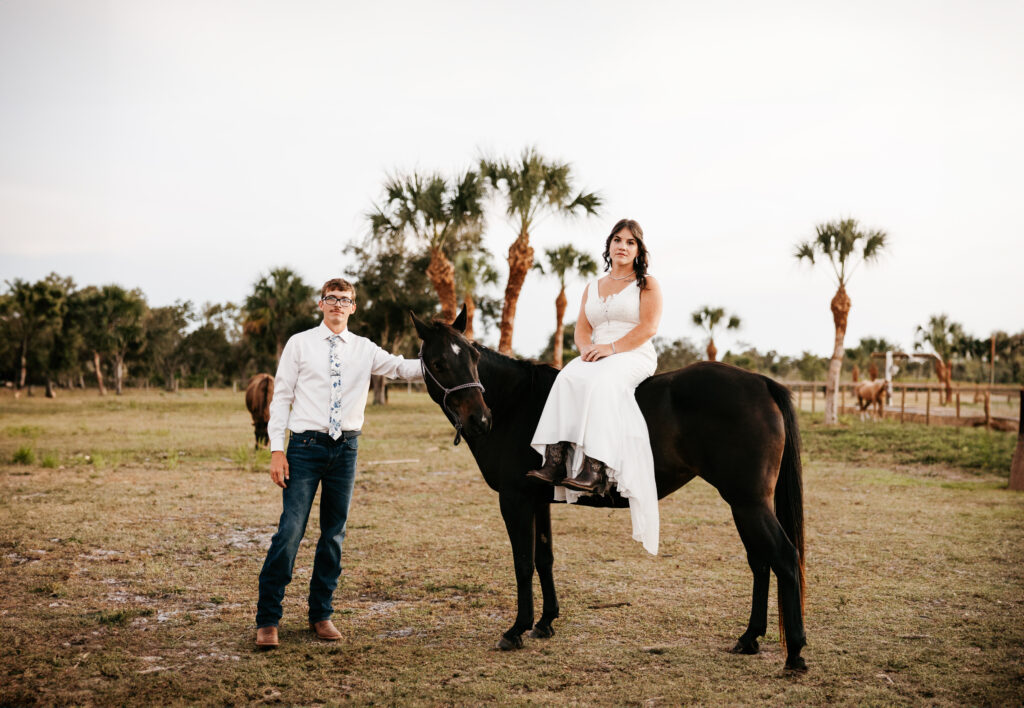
(478, 424)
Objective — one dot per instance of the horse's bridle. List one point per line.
(456, 421)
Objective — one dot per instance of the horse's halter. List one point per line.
(457, 422)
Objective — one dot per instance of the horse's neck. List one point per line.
(510, 382)
(515, 392)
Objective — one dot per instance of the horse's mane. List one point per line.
(541, 375)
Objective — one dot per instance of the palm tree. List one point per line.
(845, 247)
(945, 337)
(562, 261)
(707, 318)
(532, 188)
(279, 306)
(443, 217)
(472, 269)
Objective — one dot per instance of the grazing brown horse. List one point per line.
(258, 393)
(733, 428)
(868, 393)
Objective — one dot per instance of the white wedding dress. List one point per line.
(591, 405)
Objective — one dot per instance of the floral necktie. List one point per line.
(334, 427)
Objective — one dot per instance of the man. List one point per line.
(320, 395)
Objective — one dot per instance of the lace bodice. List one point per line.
(615, 315)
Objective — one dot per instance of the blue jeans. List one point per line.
(311, 462)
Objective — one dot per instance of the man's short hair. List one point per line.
(337, 284)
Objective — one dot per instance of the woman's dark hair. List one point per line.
(640, 262)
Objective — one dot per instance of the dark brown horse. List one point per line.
(258, 393)
(733, 428)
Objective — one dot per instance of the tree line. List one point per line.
(423, 251)
(55, 334)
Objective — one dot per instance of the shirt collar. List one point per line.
(325, 332)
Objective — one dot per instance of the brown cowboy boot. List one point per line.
(266, 637)
(553, 471)
(591, 479)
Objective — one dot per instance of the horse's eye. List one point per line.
(440, 365)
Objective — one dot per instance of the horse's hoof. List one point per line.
(796, 664)
(542, 631)
(742, 647)
(506, 644)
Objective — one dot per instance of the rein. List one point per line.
(444, 401)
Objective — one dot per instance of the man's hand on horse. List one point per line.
(279, 468)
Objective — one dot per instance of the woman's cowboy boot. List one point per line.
(553, 471)
(591, 478)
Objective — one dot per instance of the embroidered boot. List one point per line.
(591, 479)
(553, 471)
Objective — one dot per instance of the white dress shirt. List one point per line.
(302, 389)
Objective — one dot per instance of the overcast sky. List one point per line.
(187, 147)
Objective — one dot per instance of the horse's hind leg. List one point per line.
(758, 625)
(545, 560)
(517, 511)
(763, 537)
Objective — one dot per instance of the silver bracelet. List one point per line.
(613, 347)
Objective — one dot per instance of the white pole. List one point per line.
(888, 378)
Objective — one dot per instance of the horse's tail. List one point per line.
(789, 491)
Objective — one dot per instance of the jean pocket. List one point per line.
(300, 444)
(352, 443)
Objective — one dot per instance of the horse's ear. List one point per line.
(422, 328)
(459, 325)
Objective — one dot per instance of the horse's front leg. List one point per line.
(517, 510)
(545, 560)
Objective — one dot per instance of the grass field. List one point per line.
(132, 531)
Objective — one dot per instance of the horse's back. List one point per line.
(715, 421)
(705, 389)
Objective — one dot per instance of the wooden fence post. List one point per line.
(958, 404)
(800, 397)
(1017, 466)
(812, 397)
(988, 409)
(903, 402)
(928, 406)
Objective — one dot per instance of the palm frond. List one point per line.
(589, 203)
(876, 242)
(585, 265)
(803, 251)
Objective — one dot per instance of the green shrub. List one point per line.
(250, 460)
(50, 460)
(24, 455)
(120, 617)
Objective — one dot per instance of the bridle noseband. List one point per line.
(456, 421)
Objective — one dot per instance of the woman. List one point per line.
(592, 426)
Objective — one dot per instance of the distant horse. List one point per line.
(733, 428)
(868, 393)
(258, 393)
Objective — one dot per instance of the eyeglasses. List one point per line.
(331, 300)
